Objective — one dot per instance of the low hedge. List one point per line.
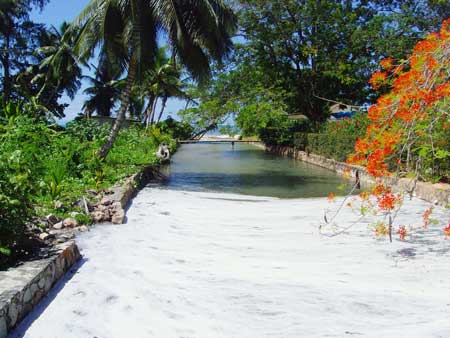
(337, 148)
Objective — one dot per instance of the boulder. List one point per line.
(83, 228)
(118, 217)
(70, 223)
(58, 226)
(46, 236)
(52, 219)
(97, 216)
(106, 201)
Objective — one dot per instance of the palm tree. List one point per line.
(127, 30)
(171, 86)
(103, 92)
(59, 65)
(163, 80)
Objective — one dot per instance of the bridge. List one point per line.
(216, 140)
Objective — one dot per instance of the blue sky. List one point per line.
(58, 11)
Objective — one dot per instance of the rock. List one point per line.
(3, 328)
(116, 206)
(12, 314)
(97, 216)
(106, 201)
(83, 228)
(101, 207)
(118, 217)
(46, 236)
(52, 219)
(27, 296)
(41, 282)
(58, 226)
(70, 223)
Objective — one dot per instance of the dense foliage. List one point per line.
(409, 132)
(335, 139)
(41, 163)
(409, 126)
(327, 49)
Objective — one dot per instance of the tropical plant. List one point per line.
(127, 31)
(409, 130)
(103, 92)
(19, 37)
(321, 49)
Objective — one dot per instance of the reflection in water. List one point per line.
(248, 170)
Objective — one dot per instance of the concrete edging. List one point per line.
(437, 193)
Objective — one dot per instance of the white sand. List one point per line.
(214, 265)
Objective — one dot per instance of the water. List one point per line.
(249, 170)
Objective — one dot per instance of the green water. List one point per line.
(248, 170)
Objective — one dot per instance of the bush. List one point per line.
(41, 163)
(21, 141)
(177, 130)
(328, 145)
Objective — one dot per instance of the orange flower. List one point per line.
(387, 202)
(387, 63)
(402, 232)
(331, 197)
(426, 217)
(378, 79)
(447, 231)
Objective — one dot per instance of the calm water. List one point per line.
(248, 170)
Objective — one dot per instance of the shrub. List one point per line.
(40, 163)
(177, 130)
(328, 145)
(21, 141)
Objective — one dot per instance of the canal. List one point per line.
(249, 170)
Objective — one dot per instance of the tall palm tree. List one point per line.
(171, 86)
(59, 65)
(162, 80)
(127, 30)
(150, 77)
(103, 92)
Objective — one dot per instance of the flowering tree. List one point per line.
(409, 131)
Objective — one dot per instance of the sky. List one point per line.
(58, 11)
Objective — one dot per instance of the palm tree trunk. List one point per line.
(154, 110)
(6, 70)
(125, 101)
(148, 110)
(164, 101)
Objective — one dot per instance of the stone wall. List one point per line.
(437, 193)
(27, 284)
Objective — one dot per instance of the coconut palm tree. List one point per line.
(171, 86)
(127, 29)
(161, 81)
(103, 92)
(59, 65)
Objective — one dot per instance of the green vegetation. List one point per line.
(43, 165)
